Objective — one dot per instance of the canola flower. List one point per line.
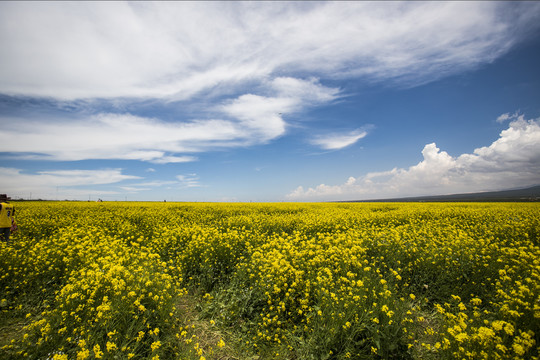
(442, 281)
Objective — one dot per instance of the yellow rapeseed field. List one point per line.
(271, 281)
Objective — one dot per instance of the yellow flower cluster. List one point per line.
(105, 280)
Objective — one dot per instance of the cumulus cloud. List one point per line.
(178, 50)
(507, 116)
(65, 184)
(513, 160)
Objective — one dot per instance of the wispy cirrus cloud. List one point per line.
(336, 141)
(134, 188)
(181, 181)
(188, 180)
(246, 120)
(513, 160)
(110, 136)
(178, 50)
(66, 184)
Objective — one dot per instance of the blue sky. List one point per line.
(267, 101)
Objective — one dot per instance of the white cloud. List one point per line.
(147, 185)
(86, 177)
(176, 50)
(181, 181)
(156, 183)
(115, 136)
(513, 160)
(134, 189)
(173, 159)
(307, 91)
(189, 180)
(505, 117)
(246, 120)
(61, 184)
(262, 116)
(338, 141)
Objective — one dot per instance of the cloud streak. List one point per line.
(513, 160)
(178, 50)
(189, 180)
(111, 136)
(336, 141)
(66, 184)
(246, 120)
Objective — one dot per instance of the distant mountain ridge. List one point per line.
(523, 195)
